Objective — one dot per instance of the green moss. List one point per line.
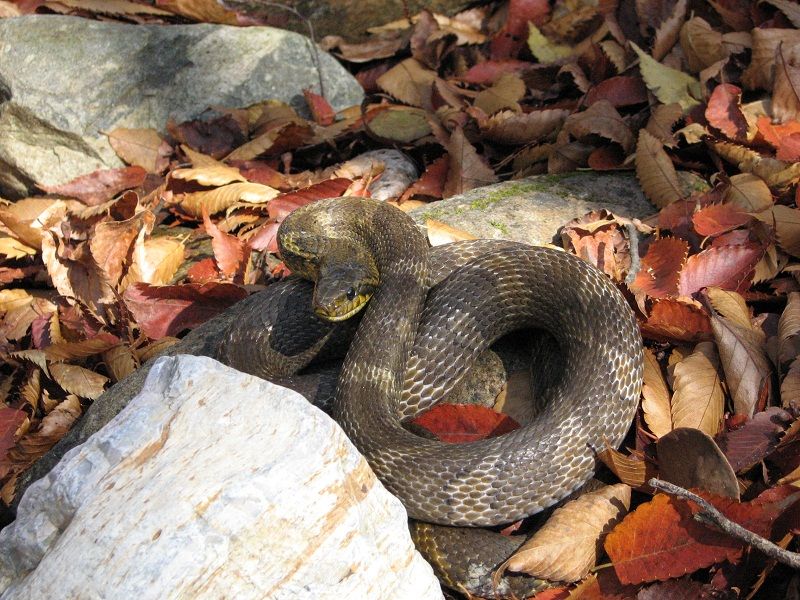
(501, 227)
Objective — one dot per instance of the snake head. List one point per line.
(343, 288)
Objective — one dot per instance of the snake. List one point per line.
(412, 320)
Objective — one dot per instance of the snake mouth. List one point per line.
(335, 315)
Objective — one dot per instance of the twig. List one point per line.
(710, 515)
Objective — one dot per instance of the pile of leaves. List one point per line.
(699, 99)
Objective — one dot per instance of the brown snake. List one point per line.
(414, 343)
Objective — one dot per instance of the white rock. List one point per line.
(212, 484)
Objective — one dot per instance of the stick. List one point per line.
(710, 515)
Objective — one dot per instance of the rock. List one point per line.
(347, 18)
(212, 483)
(66, 81)
(531, 210)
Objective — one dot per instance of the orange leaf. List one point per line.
(281, 206)
(230, 252)
(431, 183)
(672, 320)
(458, 423)
(658, 275)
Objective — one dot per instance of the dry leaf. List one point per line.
(568, 544)
(689, 458)
(441, 233)
(667, 84)
(511, 128)
(749, 193)
(141, 147)
(77, 380)
(656, 397)
(631, 471)
(655, 171)
(698, 400)
(744, 362)
(218, 199)
(216, 175)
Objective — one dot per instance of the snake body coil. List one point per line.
(414, 343)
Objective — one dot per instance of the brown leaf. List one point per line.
(622, 90)
(410, 82)
(669, 30)
(786, 87)
(790, 387)
(321, 110)
(142, 148)
(732, 306)
(749, 193)
(727, 267)
(155, 260)
(77, 380)
(213, 175)
(431, 183)
(744, 362)
(10, 421)
(218, 199)
(789, 325)
(568, 544)
(689, 458)
(766, 41)
(656, 404)
(120, 361)
(505, 93)
(167, 310)
(275, 141)
(661, 122)
(511, 128)
(632, 471)
(655, 171)
(702, 45)
(74, 272)
(112, 243)
(601, 118)
(467, 168)
(97, 187)
(62, 351)
(698, 400)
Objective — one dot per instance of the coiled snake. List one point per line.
(431, 313)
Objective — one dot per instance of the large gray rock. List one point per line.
(212, 483)
(65, 81)
(532, 210)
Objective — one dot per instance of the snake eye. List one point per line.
(351, 293)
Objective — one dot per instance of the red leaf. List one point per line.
(432, 181)
(789, 148)
(658, 275)
(607, 158)
(672, 320)
(751, 443)
(622, 90)
(514, 34)
(169, 309)
(719, 218)
(725, 113)
(489, 71)
(728, 267)
(98, 186)
(10, 420)
(458, 423)
(230, 252)
(282, 205)
(320, 109)
(265, 237)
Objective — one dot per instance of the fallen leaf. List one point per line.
(749, 193)
(667, 84)
(141, 148)
(673, 320)
(78, 380)
(656, 405)
(283, 204)
(702, 45)
(689, 458)
(620, 91)
(467, 168)
(568, 544)
(230, 252)
(601, 118)
(748, 445)
(698, 400)
(744, 362)
(632, 471)
(766, 41)
(543, 49)
(112, 243)
(732, 306)
(459, 423)
(155, 260)
(786, 86)
(716, 219)
(410, 82)
(218, 199)
(510, 128)
(655, 171)
(728, 267)
(441, 233)
(505, 93)
(725, 113)
(321, 110)
(658, 274)
(510, 39)
(120, 361)
(98, 186)
(213, 175)
(167, 310)
(668, 31)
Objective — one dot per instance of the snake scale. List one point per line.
(431, 313)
